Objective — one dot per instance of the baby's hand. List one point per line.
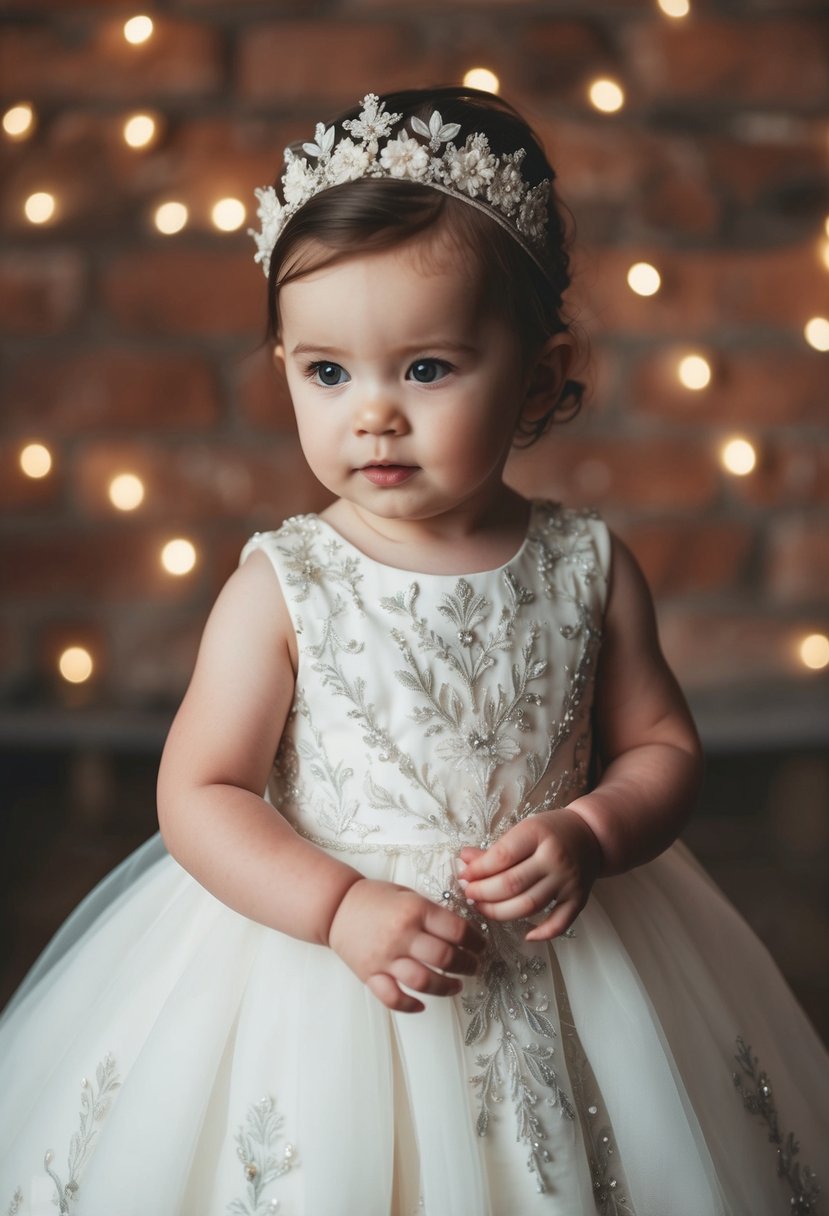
(389, 935)
(552, 856)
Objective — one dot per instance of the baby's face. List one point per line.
(407, 388)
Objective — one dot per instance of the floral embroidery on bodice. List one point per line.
(433, 710)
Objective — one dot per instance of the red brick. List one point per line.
(154, 654)
(687, 557)
(113, 388)
(798, 560)
(19, 492)
(766, 171)
(196, 481)
(557, 58)
(41, 292)
(703, 291)
(74, 566)
(331, 60)
(186, 291)
(91, 59)
(729, 649)
(750, 387)
(609, 472)
(788, 473)
(261, 392)
(759, 60)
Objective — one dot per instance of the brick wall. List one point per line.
(124, 350)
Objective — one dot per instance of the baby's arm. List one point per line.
(214, 821)
(652, 764)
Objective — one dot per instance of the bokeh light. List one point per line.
(675, 8)
(178, 556)
(738, 456)
(126, 491)
(75, 664)
(816, 332)
(138, 29)
(19, 121)
(228, 214)
(35, 460)
(170, 217)
(644, 279)
(694, 372)
(607, 96)
(139, 130)
(814, 651)
(40, 207)
(482, 78)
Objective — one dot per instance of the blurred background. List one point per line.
(145, 433)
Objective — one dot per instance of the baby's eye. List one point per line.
(426, 371)
(328, 374)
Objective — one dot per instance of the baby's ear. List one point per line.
(279, 357)
(548, 375)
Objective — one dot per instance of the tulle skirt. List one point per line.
(167, 1057)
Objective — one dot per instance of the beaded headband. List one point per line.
(493, 184)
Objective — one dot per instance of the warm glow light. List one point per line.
(75, 664)
(826, 225)
(126, 491)
(170, 218)
(138, 29)
(19, 120)
(139, 130)
(694, 372)
(228, 214)
(40, 207)
(482, 78)
(675, 8)
(607, 96)
(178, 556)
(644, 279)
(738, 457)
(814, 651)
(817, 333)
(35, 460)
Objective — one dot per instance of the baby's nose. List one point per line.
(380, 414)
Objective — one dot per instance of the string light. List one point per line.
(644, 279)
(170, 217)
(126, 491)
(138, 29)
(228, 214)
(816, 332)
(139, 130)
(814, 651)
(482, 78)
(19, 121)
(694, 372)
(35, 460)
(675, 8)
(738, 457)
(75, 664)
(607, 96)
(178, 556)
(40, 207)
(824, 253)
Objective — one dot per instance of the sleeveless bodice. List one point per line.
(430, 710)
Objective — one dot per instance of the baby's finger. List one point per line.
(440, 922)
(558, 922)
(387, 990)
(414, 975)
(505, 885)
(435, 952)
(513, 847)
(527, 903)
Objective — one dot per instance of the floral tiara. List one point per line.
(473, 173)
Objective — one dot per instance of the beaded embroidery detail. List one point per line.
(759, 1100)
(256, 1148)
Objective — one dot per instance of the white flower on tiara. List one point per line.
(494, 184)
(348, 162)
(472, 167)
(405, 157)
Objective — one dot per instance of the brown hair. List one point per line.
(372, 214)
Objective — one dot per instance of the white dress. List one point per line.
(168, 1057)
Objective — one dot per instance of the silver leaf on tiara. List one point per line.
(473, 172)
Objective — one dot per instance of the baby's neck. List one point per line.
(462, 543)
